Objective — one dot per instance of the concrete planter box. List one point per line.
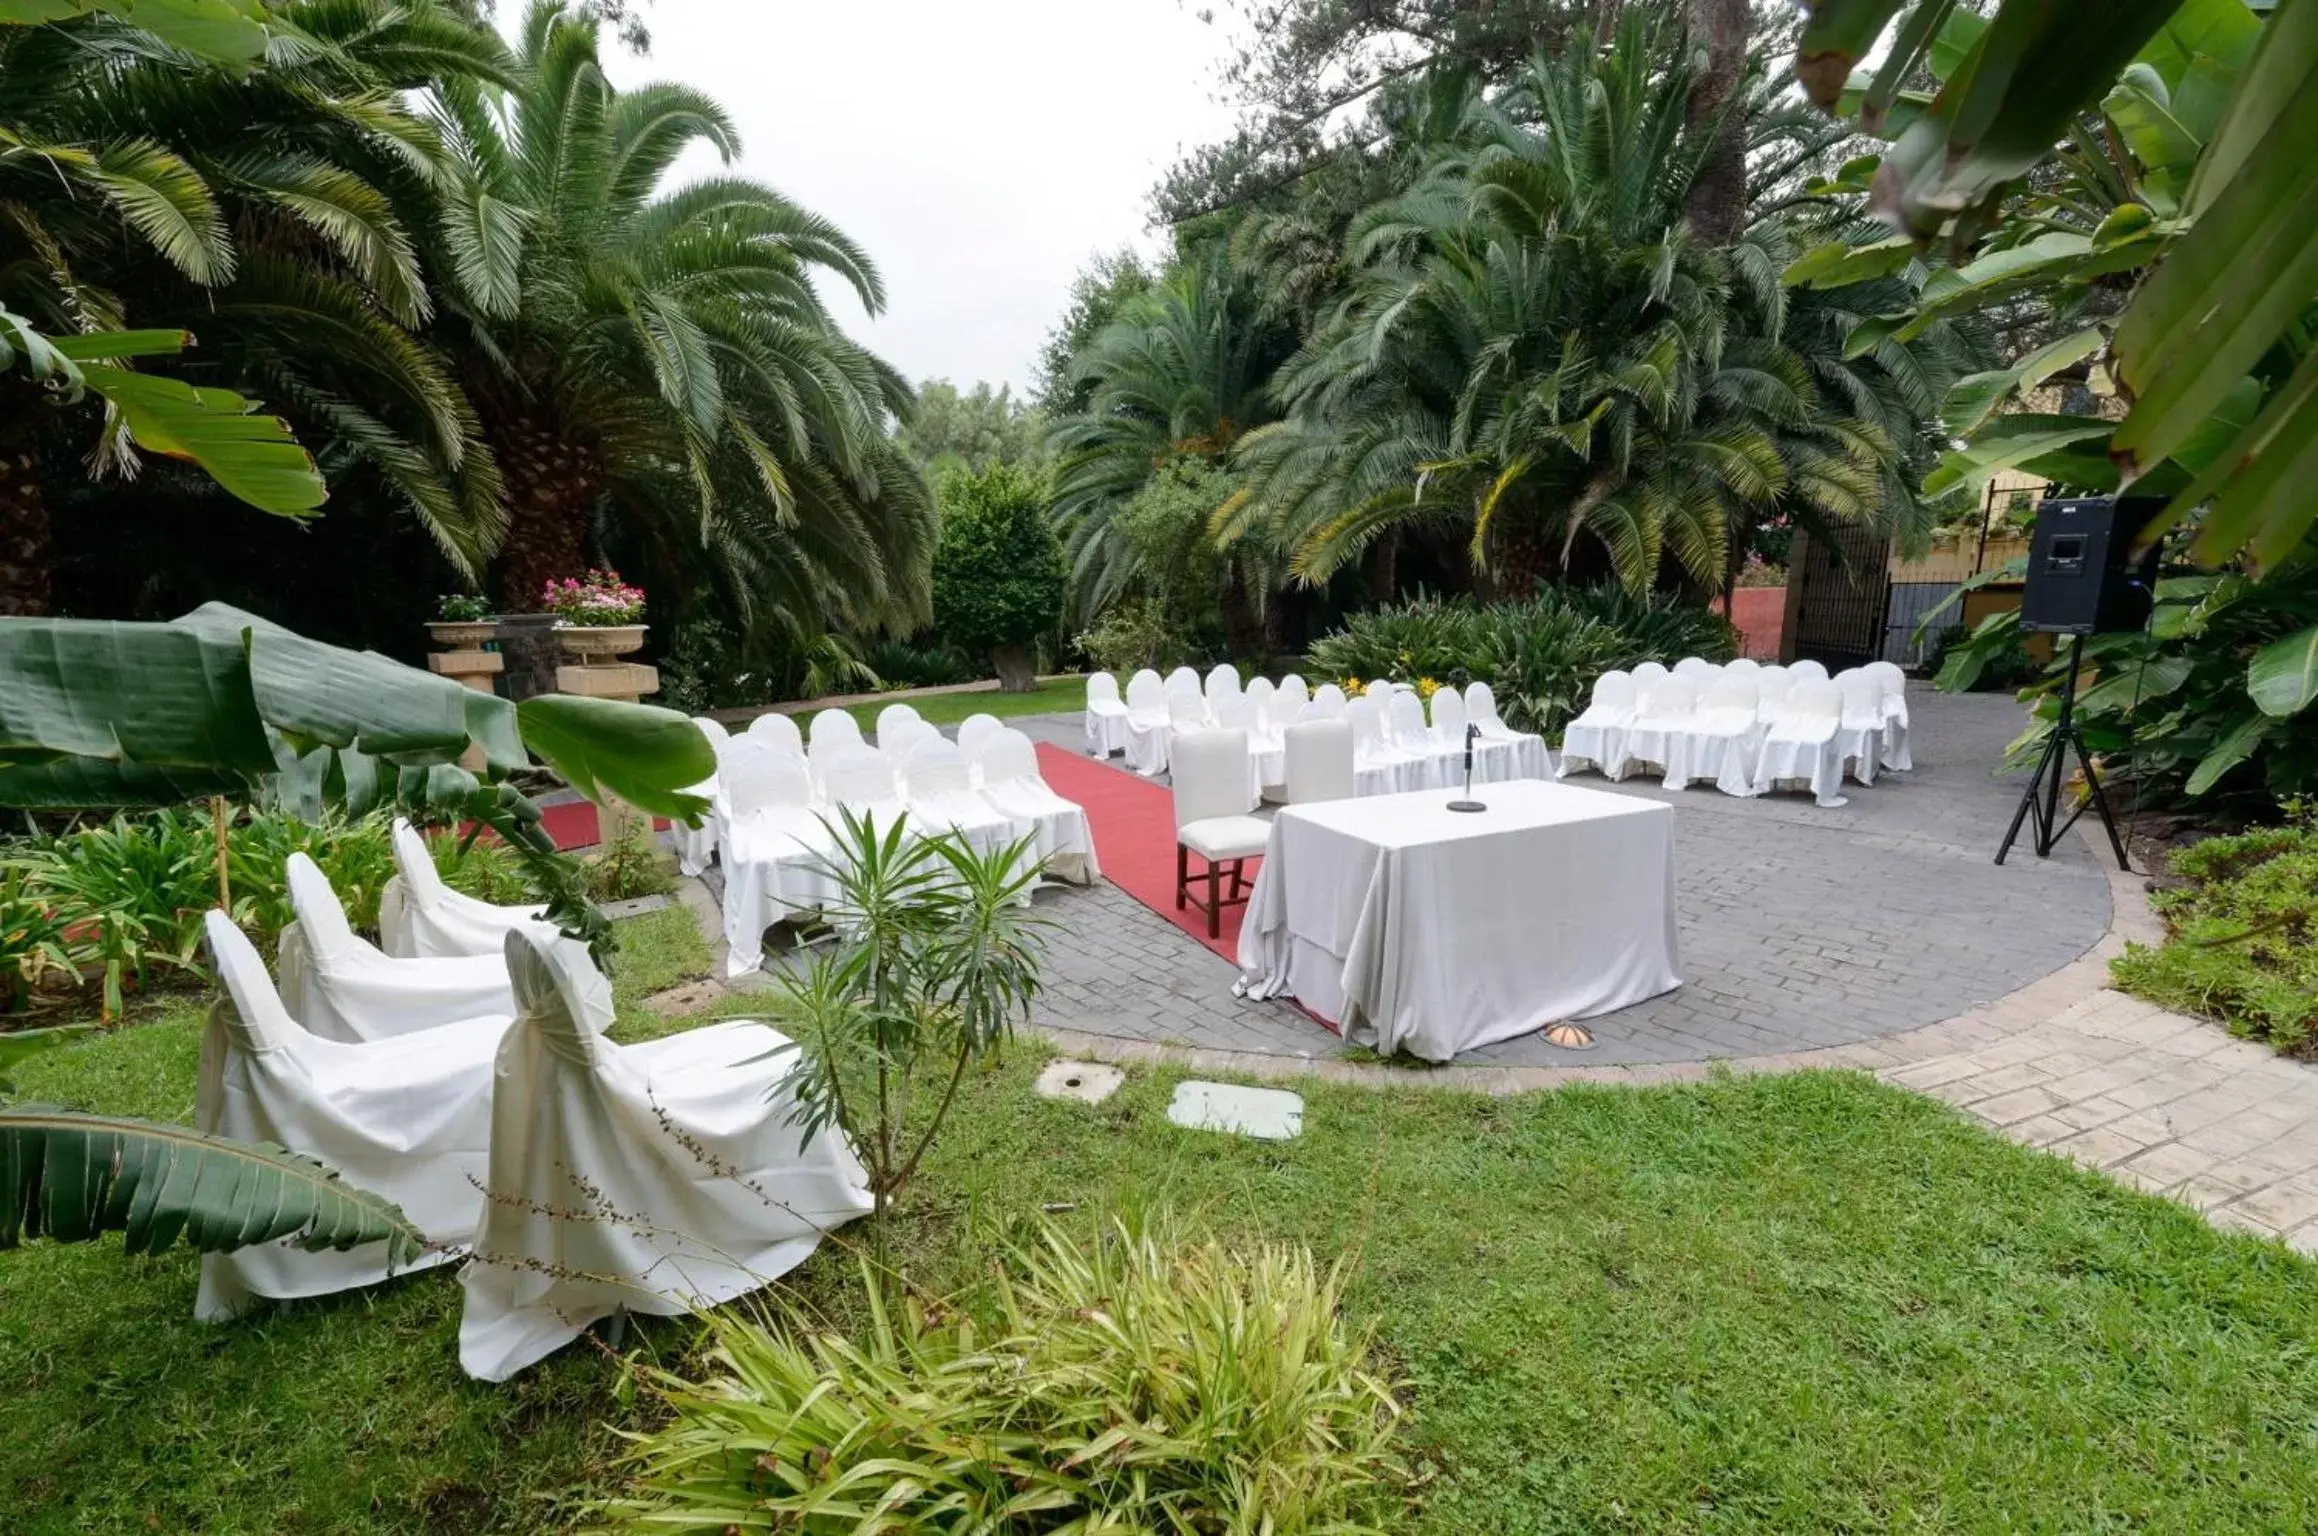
(586, 645)
(462, 634)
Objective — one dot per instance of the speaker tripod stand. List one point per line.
(2040, 802)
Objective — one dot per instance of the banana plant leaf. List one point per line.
(2283, 676)
(223, 31)
(634, 751)
(22, 1044)
(1973, 399)
(73, 1176)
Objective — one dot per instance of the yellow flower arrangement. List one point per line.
(1426, 688)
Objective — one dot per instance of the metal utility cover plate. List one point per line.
(1268, 1114)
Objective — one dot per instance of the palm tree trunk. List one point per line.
(26, 535)
(551, 488)
(1717, 204)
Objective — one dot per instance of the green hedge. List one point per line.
(1540, 655)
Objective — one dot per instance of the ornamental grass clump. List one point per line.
(1135, 1384)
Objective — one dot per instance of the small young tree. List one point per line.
(998, 572)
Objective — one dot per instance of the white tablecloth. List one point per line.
(1414, 927)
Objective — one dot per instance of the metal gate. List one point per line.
(1844, 591)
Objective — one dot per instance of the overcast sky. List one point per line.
(980, 153)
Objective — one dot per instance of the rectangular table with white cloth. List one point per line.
(1411, 926)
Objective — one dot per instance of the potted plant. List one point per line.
(597, 615)
(462, 622)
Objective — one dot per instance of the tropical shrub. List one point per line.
(40, 957)
(998, 570)
(2241, 934)
(1133, 634)
(1132, 1384)
(1540, 656)
(629, 866)
(904, 664)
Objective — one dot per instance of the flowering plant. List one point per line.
(462, 608)
(1426, 688)
(597, 600)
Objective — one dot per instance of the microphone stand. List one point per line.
(1468, 803)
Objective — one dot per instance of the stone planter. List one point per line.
(594, 646)
(462, 634)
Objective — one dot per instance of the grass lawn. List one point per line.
(1780, 1304)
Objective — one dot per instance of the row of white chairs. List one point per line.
(776, 808)
(464, 1073)
(1745, 727)
(1396, 747)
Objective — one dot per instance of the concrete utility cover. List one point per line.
(1268, 1114)
(1089, 1082)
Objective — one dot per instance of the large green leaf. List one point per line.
(152, 694)
(72, 1176)
(2235, 746)
(2011, 441)
(2283, 676)
(226, 31)
(642, 754)
(1835, 264)
(1976, 397)
(2136, 685)
(325, 694)
(251, 455)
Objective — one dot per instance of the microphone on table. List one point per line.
(1472, 734)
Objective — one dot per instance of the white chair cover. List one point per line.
(1741, 666)
(1405, 727)
(1894, 751)
(1319, 762)
(1697, 668)
(1491, 759)
(976, 729)
(1106, 717)
(1530, 760)
(837, 727)
(1147, 724)
(1209, 781)
(407, 1118)
(889, 719)
(1801, 744)
(1808, 669)
(1267, 758)
(419, 917)
(863, 781)
(776, 853)
(900, 744)
(1596, 739)
(1289, 699)
(1720, 742)
(1327, 703)
(1771, 685)
(1862, 731)
(781, 731)
(1379, 689)
(1378, 768)
(1013, 785)
(1261, 696)
(343, 988)
(1222, 683)
(1669, 709)
(656, 1178)
(1184, 680)
(941, 796)
(1647, 676)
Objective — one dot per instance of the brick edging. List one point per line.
(2025, 1007)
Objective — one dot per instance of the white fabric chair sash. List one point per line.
(655, 1178)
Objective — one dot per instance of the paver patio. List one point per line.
(1876, 936)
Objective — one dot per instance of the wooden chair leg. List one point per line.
(1182, 874)
(1214, 906)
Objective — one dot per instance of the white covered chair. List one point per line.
(1861, 734)
(695, 846)
(1013, 785)
(976, 729)
(1261, 695)
(902, 743)
(656, 1178)
(1527, 752)
(1106, 717)
(1185, 680)
(1147, 724)
(1404, 725)
(1894, 751)
(1668, 710)
(1741, 666)
(1697, 668)
(1210, 781)
(780, 731)
(1289, 699)
(1801, 746)
(1771, 685)
(1378, 767)
(1319, 759)
(939, 791)
(1222, 683)
(407, 1118)
(833, 728)
(342, 987)
(890, 723)
(1721, 741)
(1596, 739)
(419, 917)
(1808, 670)
(1267, 757)
(1492, 760)
(1647, 676)
(1327, 703)
(777, 850)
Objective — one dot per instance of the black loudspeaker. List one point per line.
(2081, 579)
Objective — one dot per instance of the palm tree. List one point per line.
(1537, 351)
(287, 209)
(1182, 373)
(662, 358)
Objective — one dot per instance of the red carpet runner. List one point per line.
(1134, 826)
